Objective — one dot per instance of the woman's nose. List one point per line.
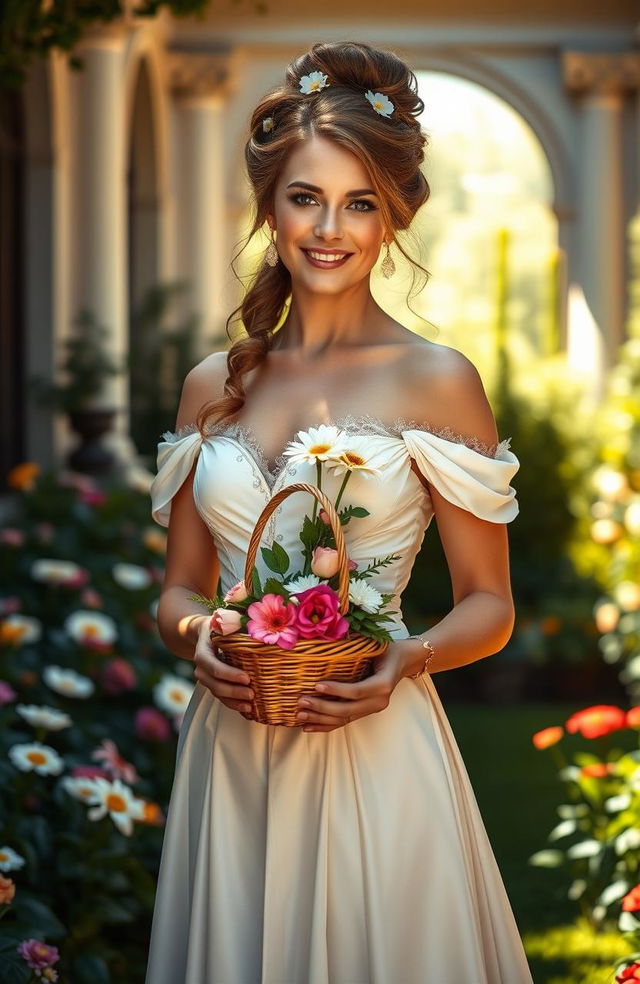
(329, 225)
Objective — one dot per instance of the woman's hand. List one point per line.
(340, 703)
(225, 682)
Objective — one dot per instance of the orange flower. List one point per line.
(548, 736)
(633, 717)
(550, 625)
(152, 814)
(7, 890)
(10, 634)
(596, 770)
(631, 901)
(23, 476)
(596, 721)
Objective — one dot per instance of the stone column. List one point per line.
(199, 82)
(601, 81)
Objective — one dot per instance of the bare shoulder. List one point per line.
(447, 391)
(202, 384)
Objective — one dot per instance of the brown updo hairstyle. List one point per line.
(391, 148)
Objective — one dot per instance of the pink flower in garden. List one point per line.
(88, 772)
(118, 676)
(116, 765)
(319, 614)
(90, 598)
(324, 562)
(38, 954)
(7, 693)
(79, 580)
(273, 620)
(151, 725)
(12, 537)
(224, 621)
(237, 593)
(92, 497)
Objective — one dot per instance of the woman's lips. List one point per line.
(325, 264)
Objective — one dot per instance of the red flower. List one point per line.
(631, 901)
(319, 614)
(633, 717)
(548, 736)
(596, 770)
(596, 721)
(630, 973)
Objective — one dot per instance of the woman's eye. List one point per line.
(302, 198)
(301, 194)
(369, 206)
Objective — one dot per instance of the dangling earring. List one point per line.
(388, 267)
(271, 254)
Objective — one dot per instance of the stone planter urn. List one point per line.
(91, 456)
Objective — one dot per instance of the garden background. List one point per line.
(121, 211)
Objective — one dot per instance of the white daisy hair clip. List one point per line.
(318, 80)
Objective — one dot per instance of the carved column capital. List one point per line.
(601, 74)
(198, 74)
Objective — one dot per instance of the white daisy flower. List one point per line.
(356, 457)
(53, 571)
(85, 626)
(10, 859)
(26, 628)
(364, 596)
(116, 799)
(80, 787)
(131, 576)
(172, 694)
(313, 82)
(302, 583)
(69, 683)
(36, 757)
(44, 716)
(380, 103)
(323, 443)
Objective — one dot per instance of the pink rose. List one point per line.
(319, 614)
(324, 562)
(118, 676)
(37, 954)
(89, 772)
(151, 725)
(225, 621)
(237, 593)
(273, 620)
(324, 516)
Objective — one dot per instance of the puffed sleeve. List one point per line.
(465, 476)
(176, 455)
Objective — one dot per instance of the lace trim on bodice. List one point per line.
(352, 423)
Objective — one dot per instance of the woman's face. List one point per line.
(329, 229)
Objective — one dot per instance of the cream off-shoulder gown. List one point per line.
(356, 856)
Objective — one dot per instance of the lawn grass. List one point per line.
(518, 792)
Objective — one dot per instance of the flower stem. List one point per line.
(343, 486)
(319, 481)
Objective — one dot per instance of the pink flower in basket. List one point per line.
(273, 620)
(324, 562)
(224, 621)
(237, 593)
(319, 615)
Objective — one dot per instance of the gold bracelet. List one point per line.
(430, 654)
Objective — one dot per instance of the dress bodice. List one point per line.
(233, 481)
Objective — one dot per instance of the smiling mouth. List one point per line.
(326, 261)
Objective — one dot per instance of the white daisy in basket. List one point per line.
(69, 683)
(88, 627)
(10, 859)
(356, 457)
(172, 694)
(364, 596)
(36, 757)
(323, 443)
(313, 82)
(42, 716)
(118, 801)
(302, 583)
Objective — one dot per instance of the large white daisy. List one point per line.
(302, 583)
(53, 571)
(43, 716)
(35, 757)
(172, 694)
(357, 456)
(116, 799)
(87, 627)
(364, 596)
(322, 443)
(131, 576)
(69, 683)
(10, 859)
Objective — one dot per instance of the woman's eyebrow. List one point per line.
(349, 194)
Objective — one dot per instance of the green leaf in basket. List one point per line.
(273, 586)
(276, 558)
(256, 587)
(308, 532)
(350, 511)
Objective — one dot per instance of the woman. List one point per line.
(350, 849)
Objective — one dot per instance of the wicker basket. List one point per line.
(280, 676)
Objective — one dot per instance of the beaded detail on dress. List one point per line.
(352, 423)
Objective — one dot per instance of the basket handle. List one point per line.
(336, 526)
